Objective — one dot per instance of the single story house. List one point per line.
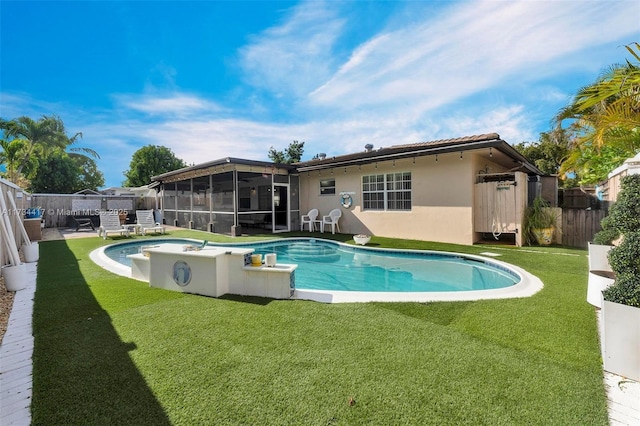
(453, 190)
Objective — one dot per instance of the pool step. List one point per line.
(313, 252)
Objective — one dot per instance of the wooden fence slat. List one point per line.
(58, 208)
(579, 226)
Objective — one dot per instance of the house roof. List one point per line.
(504, 153)
(487, 141)
(211, 167)
(87, 191)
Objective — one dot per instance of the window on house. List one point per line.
(327, 186)
(387, 191)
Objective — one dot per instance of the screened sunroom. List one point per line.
(231, 196)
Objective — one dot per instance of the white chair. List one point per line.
(146, 222)
(310, 218)
(331, 219)
(110, 224)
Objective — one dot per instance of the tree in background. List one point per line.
(62, 173)
(549, 153)
(292, 154)
(148, 161)
(40, 138)
(605, 121)
(28, 143)
(88, 174)
(11, 157)
(57, 174)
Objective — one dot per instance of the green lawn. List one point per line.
(110, 350)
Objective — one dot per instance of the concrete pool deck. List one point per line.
(16, 352)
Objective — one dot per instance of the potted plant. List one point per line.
(620, 321)
(540, 222)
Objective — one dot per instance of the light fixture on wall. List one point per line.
(253, 190)
(461, 155)
(436, 158)
(490, 153)
(359, 167)
(414, 160)
(345, 170)
(376, 165)
(394, 163)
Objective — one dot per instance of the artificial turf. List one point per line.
(111, 350)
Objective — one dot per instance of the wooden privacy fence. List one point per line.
(59, 207)
(579, 226)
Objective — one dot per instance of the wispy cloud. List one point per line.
(471, 47)
(296, 56)
(171, 104)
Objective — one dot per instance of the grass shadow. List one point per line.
(254, 300)
(82, 370)
(441, 313)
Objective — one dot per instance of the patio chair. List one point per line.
(310, 218)
(331, 219)
(110, 224)
(83, 222)
(146, 222)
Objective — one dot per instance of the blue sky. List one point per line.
(212, 79)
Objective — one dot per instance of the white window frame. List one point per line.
(386, 184)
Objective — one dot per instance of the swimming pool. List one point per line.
(330, 268)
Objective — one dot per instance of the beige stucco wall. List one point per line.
(442, 198)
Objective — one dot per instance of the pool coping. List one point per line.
(528, 286)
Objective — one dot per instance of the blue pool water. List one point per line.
(324, 265)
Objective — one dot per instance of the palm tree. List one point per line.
(39, 138)
(9, 157)
(618, 93)
(606, 114)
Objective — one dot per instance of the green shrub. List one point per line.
(624, 218)
(624, 215)
(607, 234)
(625, 258)
(605, 237)
(625, 291)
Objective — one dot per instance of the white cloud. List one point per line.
(294, 57)
(510, 122)
(471, 47)
(173, 104)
